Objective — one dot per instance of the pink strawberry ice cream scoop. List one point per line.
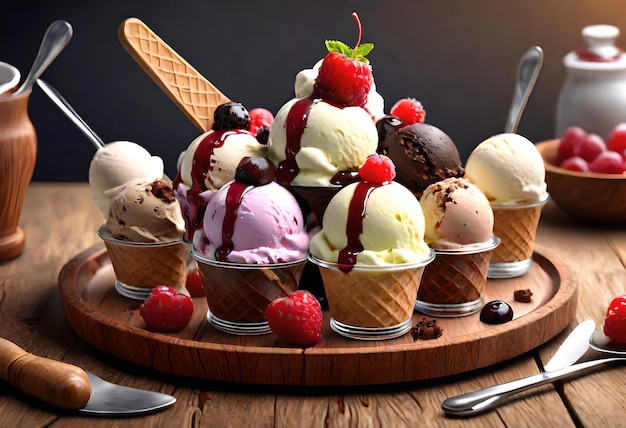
(253, 220)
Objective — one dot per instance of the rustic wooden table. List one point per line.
(60, 221)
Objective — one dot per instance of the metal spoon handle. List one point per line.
(57, 36)
(478, 401)
(69, 111)
(527, 74)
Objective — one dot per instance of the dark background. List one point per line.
(458, 57)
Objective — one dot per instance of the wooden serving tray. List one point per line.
(112, 324)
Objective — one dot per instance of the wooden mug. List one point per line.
(18, 153)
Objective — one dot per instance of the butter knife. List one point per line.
(559, 367)
(69, 387)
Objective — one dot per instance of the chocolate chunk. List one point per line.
(426, 329)
(522, 295)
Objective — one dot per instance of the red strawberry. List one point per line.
(260, 120)
(345, 76)
(377, 169)
(296, 319)
(615, 321)
(193, 284)
(409, 111)
(166, 310)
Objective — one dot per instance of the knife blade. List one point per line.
(69, 387)
(574, 347)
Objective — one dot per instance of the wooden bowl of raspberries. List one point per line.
(586, 175)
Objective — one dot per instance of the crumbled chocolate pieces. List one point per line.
(426, 329)
(163, 190)
(523, 296)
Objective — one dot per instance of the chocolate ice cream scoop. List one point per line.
(423, 154)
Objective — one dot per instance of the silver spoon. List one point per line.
(527, 74)
(55, 39)
(69, 111)
(479, 401)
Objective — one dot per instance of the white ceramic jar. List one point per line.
(594, 93)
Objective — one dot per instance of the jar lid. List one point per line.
(599, 51)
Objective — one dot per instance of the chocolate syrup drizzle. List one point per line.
(234, 196)
(201, 166)
(296, 122)
(354, 226)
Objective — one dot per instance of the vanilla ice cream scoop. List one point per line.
(456, 213)
(146, 212)
(508, 169)
(391, 229)
(117, 163)
(320, 140)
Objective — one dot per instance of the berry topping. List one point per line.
(590, 147)
(193, 284)
(377, 169)
(166, 310)
(617, 139)
(571, 139)
(255, 171)
(260, 121)
(496, 312)
(231, 116)
(608, 162)
(583, 152)
(615, 321)
(409, 110)
(345, 76)
(575, 163)
(296, 319)
(386, 125)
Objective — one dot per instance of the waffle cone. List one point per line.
(147, 267)
(194, 94)
(516, 228)
(454, 278)
(242, 295)
(371, 299)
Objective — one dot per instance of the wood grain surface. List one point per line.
(60, 221)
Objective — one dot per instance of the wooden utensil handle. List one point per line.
(60, 384)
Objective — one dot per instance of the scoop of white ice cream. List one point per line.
(224, 157)
(508, 169)
(117, 163)
(334, 139)
(393, 227)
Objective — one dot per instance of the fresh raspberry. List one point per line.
(166, 310)
(590, 147)
(568, 146)
(575, 163)
(617, 138)
(345, 76)
(615, 321)
(409, 111)
(377, 169)
(193, 284)
(296, 319)
(607, 162)
(260, 121)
